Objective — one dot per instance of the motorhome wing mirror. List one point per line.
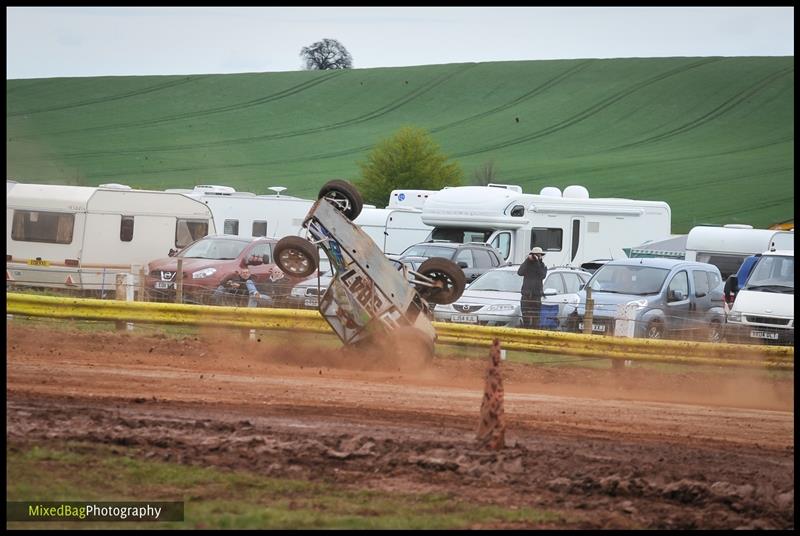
(550, 292)
(462, 264)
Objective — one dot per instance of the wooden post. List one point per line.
(142, 295)
(179, 283)
(587, 318)
(120, 295)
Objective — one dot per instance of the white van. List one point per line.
(764, 308)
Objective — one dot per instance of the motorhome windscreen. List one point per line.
(219, 249)
(498, 280)
(773, 273)
(39, 226)
(460, 235)
(639, 280)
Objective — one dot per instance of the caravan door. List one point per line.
(576, 241)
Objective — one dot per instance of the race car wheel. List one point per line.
(344, 196)
(296, 256)
(448, 278)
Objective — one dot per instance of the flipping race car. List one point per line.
(370, 299)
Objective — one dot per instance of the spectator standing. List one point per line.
(533, 272)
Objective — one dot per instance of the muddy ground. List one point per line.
(632, 448)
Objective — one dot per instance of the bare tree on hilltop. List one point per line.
(326, 54)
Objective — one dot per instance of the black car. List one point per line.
(474, 258)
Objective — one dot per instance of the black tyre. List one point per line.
(449, 278)
(344, 196)
(296, 256)
(655, 330)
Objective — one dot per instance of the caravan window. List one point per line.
(547, 238)
(187, 231)
(38, 226)
(259, 228)
(727, 264)
(231, 227)
(459, 235)
(126, 228)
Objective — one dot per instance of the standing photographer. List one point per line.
(533, 272)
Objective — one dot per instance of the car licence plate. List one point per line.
(464, 319)
(759, 334)
(311, 302)
(595, 327)
(164, 284)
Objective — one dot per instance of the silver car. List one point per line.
(493, 299)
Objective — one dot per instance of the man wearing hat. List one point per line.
(533, 272)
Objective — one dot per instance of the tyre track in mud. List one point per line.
(606, 451)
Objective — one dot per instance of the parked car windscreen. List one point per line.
(427, 250)
(772, 274)
(500, 280)
(627, 279)
(218, 249)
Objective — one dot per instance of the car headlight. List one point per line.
(501, 307)
(205, 272)
(298, 292)
(735, 316)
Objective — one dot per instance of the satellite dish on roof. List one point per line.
(550, 191)
(277, 190)
(576, 191)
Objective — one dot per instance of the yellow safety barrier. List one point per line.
(781, 357)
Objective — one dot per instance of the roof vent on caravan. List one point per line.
(277, 190)
(115, 186)
(737, 226)
(512, 187)
(576, 192)
(409, 198)
(550, 191)
(212, 189)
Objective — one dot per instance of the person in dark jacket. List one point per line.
(533, 272)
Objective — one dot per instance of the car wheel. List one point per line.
(655, 330)
(344, 196)
(447, 278)
(296, 256)
(715, 331)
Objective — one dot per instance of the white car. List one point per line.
(493, 299)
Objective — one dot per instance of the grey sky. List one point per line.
(97, 41)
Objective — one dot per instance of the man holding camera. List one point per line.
(533, 272)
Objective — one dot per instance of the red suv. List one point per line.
(209, 260)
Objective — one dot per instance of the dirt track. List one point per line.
(610, 449)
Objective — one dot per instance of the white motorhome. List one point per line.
(248, 215)
(571, 228)
(726, 247)
(80, 237)
(399, 225)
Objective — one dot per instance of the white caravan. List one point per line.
(571, 228)
(80, 237)
(248, 215)
(726, 247)
(399, 225)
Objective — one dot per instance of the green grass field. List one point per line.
(713, 137)
(217, 498)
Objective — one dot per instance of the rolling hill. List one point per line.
(712, 136)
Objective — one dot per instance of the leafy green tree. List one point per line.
(409, 159)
